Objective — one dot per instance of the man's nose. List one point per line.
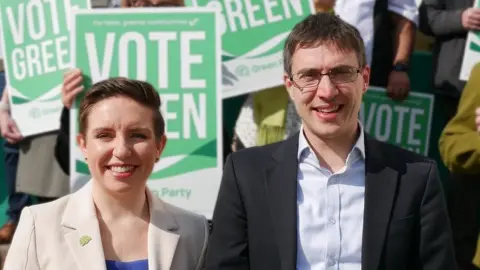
(326, 89)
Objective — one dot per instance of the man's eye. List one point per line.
(340, 71)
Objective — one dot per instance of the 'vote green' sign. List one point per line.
(406, 124)
(471, 55)
(253, 37)
(178, 51)
(36, 54)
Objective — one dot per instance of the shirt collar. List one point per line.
(359, 144)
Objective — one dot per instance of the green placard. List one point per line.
(471, 55)
(36, 49)
(253, 37)
(178, 51)
(406, 123)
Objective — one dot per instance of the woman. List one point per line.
(113, 222)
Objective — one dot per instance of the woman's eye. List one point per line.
(139, 135)
(103, 135)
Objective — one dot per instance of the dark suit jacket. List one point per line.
(255, 220)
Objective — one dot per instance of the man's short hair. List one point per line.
(323, 28)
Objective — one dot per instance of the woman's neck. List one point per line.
(112, 207)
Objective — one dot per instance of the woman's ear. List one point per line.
(82, 143)
(161, 145)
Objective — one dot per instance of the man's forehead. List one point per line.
(330, 46)
(324, 53)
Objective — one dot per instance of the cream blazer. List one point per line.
(64, 234)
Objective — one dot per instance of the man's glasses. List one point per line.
(308, 81)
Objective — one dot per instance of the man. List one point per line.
(449, 21)
(330, 197)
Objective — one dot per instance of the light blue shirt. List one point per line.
(330, 210)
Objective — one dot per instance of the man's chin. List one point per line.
(324, 130)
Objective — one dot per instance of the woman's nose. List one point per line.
(122, 148)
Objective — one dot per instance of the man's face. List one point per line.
(329, 108)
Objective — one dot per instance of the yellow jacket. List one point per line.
(459, 143)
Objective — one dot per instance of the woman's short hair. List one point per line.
(139, 91)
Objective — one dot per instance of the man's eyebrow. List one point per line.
(309, 70)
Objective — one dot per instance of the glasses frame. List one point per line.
(320, 76)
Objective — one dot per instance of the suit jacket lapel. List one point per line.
(380, 188)
(81, 230)
(281, 187)
(162, 239)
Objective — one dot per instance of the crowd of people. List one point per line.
(307, 189)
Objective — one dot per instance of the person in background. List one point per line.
(37, 174)
(449, 21)
(114, 220)
(388, 29)
(459, 147)
(11, 135)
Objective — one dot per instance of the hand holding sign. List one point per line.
(471, 18)
(398, 86)
(9, 129)
(72, 85)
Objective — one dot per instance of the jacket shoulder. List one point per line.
(186, 218)
(255, 154)
(396, 153)
(48, 213)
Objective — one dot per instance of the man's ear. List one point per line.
(366, 72)
(288, 85)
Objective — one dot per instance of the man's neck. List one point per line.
(332, 152)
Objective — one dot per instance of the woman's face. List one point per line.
(119, 144)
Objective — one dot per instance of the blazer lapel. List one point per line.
(380, 188)
(162, 239)
(281, 187)
(81, 230)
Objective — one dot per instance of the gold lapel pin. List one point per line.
(84, 240)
